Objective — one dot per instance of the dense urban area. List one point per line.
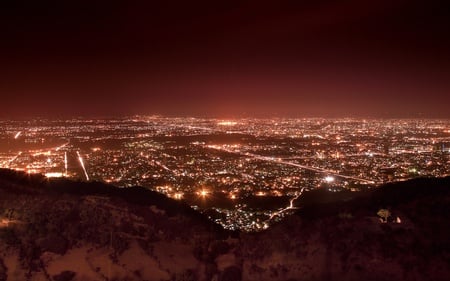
(242, 173)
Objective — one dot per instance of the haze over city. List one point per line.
(225, 59)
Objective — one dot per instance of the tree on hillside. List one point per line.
(384, 214)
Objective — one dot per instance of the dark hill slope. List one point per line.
(91, 231)
(344, 239)
(65, 230)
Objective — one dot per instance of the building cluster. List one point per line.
(230, 162)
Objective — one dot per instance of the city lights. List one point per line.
(203, 193)
(329, 179)
(178, 196)
(54, 175)
(262, 159)
(227, 123)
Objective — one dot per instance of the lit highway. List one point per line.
(280, 161)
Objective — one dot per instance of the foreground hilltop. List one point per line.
(345, 237)
(66, 230)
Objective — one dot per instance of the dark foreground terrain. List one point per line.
(65, 230)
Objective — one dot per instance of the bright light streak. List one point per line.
(17, 135)
(61, 146)
(65, 163)
(54, 175)
(14, 158)
(227, 123)
(82, 165)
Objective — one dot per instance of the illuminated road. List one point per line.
(82, 165)
(65, 163)
(163, 166)
(280, 161)
(290, 207)
(14, 158)
(61, 146)
(193, 127)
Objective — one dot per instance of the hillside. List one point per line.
(65, 230)
(344, 239)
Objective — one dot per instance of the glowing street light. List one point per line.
(203, 193)
(329, 179)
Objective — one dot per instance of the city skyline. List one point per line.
(235, 59)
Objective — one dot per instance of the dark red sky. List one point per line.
(381, 58)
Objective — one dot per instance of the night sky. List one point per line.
(225, 59)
